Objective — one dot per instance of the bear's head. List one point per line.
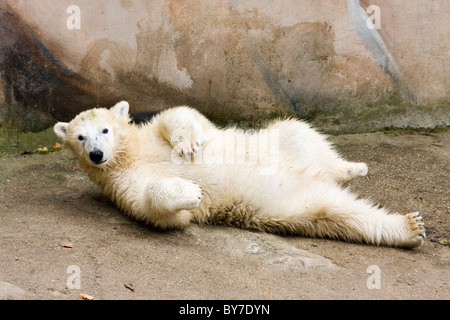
(94, 136)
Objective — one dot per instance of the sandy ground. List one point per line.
(60, 237)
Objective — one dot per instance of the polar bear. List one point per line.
(179, 167)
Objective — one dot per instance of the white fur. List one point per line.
(180, 168)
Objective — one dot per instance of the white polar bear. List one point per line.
(179, 168)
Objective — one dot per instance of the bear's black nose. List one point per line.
(96, 156)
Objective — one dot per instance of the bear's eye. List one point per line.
(105, 131)
(80, 138)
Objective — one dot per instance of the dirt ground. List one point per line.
(60, 237)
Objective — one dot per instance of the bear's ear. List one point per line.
(121, 109)
(61, 129)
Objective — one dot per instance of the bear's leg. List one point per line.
(357, 220)
(168, 201)
(329, 211)
(302, 146)
(343, 170)
(184, 128)
(162, 202)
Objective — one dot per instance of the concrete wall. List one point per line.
(241, 60)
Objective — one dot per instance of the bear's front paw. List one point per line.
(190, 196)
(187, 148)
(187, 144)
(174, 194)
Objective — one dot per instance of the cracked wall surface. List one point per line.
(232, 60)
